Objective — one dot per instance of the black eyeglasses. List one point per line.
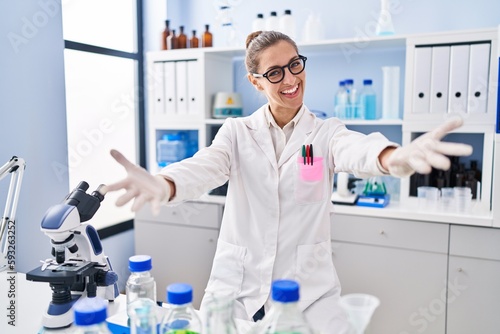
(277, 74)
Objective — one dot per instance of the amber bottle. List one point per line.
(165, 35)
(182, 38)
(206, 39)
(194, 41)
(172, 42)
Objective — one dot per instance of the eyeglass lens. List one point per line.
(296, 66)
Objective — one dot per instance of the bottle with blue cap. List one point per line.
(140, 284)
(285, 316)
(90, 316)
(367, 101)
(180, 317)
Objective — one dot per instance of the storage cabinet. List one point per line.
(181, 241)
(473, 284)
(442, 74)
(403, 263)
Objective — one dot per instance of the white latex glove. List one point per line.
(427, 151)
(140, 186)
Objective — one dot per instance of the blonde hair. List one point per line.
(259, 41)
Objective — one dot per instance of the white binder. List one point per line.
(182, 87)
(479, 68)
(194, 87)
(170, 88)
(157, 84)
(459, 76)
(422, 80)
(439, 79)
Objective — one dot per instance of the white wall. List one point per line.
(33, 117)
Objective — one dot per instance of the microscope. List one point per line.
(86, 272)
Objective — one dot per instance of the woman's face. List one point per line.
(287, 95)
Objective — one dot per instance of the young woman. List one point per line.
(280, 162)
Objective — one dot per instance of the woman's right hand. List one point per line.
(140, 186)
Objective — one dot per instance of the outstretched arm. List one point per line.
(140, 186)
(425, 152)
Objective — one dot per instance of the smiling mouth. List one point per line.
(291, 90)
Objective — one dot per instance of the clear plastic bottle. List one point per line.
(259, 24)
(219, 315)
(287, 24)
(284, 315)
(272, 22)
(384, 22)
(90, 316)
(143, 314)
(368, 101)
(180, 317)
(340, 101)
(352, 99)
(140, 283)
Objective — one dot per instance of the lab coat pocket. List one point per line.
(309, 184)
(228, 268)
(314, 270)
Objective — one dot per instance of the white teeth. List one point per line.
(290, 91)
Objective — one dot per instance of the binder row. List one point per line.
(176, 87)
(451, 78)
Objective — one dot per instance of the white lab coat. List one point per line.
(275, 224)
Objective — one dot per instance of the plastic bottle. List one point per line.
(368, 101)
(219, 315)
(180, 316)
(90, 316)
(165, 34)
(259, 24)
(287, 24)
(272, 22)
(340, 101)
(284, 315)
(181, 39)
(207, 37)
(143, 313)
(352, 99)
(140, 283)
(384, 22)
(194, 42)
(172, 42)
(171, 148)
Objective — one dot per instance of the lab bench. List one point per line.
(431, 270)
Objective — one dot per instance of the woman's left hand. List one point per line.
(426, 152)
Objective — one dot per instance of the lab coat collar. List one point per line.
(260, 126)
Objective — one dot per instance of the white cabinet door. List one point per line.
(474, 280)
(180, 254)
(411, 286)
(473, 296)
(403, 263)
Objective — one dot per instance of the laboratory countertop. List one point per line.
(31, 299)
(410, 210)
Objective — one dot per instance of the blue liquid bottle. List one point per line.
(368, 100)
(352, 100)
(340, 101)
